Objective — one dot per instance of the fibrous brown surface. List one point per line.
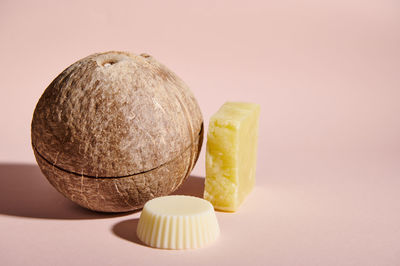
(116, 129)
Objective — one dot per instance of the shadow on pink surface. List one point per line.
(25, 192)
(193, 186)
(127, 230)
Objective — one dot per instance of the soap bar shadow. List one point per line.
(193, 186)
(25, 192)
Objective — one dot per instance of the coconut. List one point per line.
(115, 130)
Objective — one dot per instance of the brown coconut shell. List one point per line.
(115, 130)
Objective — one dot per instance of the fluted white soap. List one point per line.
(178, 222)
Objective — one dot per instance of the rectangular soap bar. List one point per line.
(231, 155)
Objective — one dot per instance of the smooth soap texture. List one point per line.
(178, 222)
(231, 155)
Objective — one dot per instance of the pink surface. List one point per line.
(326, 76)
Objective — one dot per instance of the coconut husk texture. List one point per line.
(115, 130)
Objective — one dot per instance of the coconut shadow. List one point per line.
(25, 192)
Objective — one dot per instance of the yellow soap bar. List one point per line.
(177, 222)
(231, 155)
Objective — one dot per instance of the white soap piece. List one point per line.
(178, 222)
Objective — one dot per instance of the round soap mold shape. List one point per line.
(178, 222)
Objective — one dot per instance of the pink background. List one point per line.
(326, 74)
